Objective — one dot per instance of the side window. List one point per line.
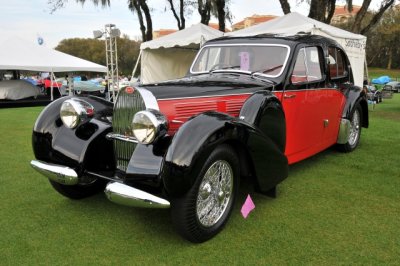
(337, 63)
(308, 66)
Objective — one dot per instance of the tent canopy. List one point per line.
(18, 54)
(170, 56)
(293, 23)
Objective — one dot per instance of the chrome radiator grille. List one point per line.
(126, 106)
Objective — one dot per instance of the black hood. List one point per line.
(207, 85)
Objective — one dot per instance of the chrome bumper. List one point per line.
(58, 173)
(115, 192)
(129, 196)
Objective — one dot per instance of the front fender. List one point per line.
(53, 142)
(195, 140)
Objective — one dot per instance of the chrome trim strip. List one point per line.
(210, 96)
(111, 136)
(58, 173)
(149, 100)
(129, 196)
(344, 131)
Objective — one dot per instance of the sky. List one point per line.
(30, 19)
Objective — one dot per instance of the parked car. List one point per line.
(393, 86)
(373, 94)
(249, 107)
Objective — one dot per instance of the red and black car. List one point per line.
(248, 108)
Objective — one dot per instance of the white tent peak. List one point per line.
(294, 23)
(190, 37)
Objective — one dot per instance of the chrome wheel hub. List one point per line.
(215, 193)
(354, 128)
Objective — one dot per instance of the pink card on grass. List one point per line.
(247, 207)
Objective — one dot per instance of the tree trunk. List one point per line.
(317, 8)
(360, 15)
(204, 11)
(179, 19)
(136, 5)
(149, 23)
(182, 14)
(285, 6)
(384, 6)
(221, 14)
(390, 57)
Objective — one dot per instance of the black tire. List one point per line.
(185, 210)
(355, 130)
(78, 191)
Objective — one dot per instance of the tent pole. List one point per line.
(366, 67)
(51, 85)
(70, 84)
(136, 65)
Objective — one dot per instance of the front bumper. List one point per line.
(115, 191)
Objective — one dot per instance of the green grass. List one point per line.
(332, 209)
(377, 72)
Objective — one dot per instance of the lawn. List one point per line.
(377, 72)
(332, 209)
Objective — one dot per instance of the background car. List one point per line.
(393, 86)
(373, 94)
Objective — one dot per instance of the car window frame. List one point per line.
(322, 62)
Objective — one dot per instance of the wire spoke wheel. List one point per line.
(355, 128)
(214, 193)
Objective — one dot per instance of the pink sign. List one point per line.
(244, 61)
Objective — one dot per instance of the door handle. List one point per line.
(289, 96)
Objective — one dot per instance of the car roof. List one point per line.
(275, 39)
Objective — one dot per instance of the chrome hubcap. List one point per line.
(215, 193)
(354, 128)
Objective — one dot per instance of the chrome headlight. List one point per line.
(149, 125)
(74, 111)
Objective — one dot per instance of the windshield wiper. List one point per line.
(212, 70)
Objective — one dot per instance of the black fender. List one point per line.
(355, 95)
(195, 140)
(82, 147)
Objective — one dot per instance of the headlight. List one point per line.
(149, 125)
(74, 111)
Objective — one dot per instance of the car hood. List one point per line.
(207, 85)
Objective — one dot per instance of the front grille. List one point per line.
(126, 106)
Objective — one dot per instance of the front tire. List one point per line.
(355, 131)
(78, 191)
(204, 210)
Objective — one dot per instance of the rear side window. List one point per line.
(337, 63)
(308, 66)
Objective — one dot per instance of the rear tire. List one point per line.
(355, 131)
(204, 210)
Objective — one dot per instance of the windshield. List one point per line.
(266, 59)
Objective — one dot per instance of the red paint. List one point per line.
(305, 112)
(178, 111)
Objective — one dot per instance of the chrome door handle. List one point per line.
(289, 96)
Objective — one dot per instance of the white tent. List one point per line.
(293, 23)
(18, 54)
(170, 56)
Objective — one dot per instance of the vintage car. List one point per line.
(249, 107)
(373, 94)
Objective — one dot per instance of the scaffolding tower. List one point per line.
(111, 33)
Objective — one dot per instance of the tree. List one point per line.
(323, 11)
(139, 7)
(181, 18)
(94, 51)
(204, 8)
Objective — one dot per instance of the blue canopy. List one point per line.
(381, 80)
